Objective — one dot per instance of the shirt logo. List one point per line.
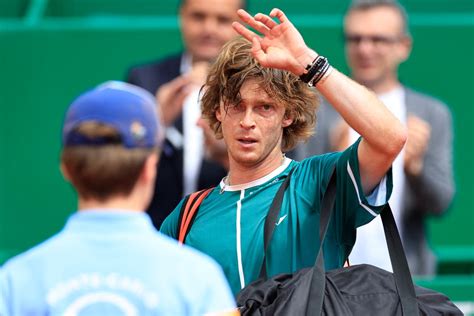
(88, 291)
(281, 219)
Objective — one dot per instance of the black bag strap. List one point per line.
(401, 272)
(270, 221)
(188, 212)
(318, 280)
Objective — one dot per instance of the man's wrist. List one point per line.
(306, 59)
(316, 71)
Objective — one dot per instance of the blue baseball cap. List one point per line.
(131, 110)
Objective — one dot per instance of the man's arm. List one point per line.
(383, 136)
(170, 224)
(283, 47)
(431, 190)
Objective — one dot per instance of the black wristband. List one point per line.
(315, 71)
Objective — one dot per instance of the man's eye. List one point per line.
(224, 20)
(198, 16)
(235, 108)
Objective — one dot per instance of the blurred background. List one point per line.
(51, 50)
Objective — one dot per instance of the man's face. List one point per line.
(253, 129)
(375, 46)
(206, 25)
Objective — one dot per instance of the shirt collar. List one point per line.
(186, 63)
(257, 182)
(110, 220)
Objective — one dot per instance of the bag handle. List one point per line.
(318, 278)
(401, 272)
(270, 221)
(189, 211)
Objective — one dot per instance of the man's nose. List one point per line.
(210, 25)
(248, 120)
(365, 45)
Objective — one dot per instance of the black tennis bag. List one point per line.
(356, 290)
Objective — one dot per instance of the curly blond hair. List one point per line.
(234, 66)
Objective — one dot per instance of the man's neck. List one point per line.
(241, 173)
(385, 88)
(124, 203)
(381, 87)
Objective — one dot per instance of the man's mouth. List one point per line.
(247, 140)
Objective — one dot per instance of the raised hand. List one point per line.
(419, 132)
(171, 95)
(280, 46)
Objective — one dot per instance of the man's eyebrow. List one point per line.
(260, 101)
(271, 103)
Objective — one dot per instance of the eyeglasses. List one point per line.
(376, 40)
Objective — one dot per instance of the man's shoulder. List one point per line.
(318, 161)
(417, 99)
(152, 75)
(169, 61)
(34, 256)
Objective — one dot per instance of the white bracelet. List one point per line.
(326, 75)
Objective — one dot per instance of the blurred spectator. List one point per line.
(109, 259)
(377, 41)
(205, 26)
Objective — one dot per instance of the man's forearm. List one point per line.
(383, 134)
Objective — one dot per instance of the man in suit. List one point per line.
(205, 26)
(377, 42)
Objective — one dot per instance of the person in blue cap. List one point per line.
(109, 259)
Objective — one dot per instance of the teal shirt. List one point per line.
(229, 225)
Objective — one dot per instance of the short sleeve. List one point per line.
(350, 191)
(170, 224)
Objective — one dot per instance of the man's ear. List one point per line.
(65, 172)
(219, 114)
(148, 173)
(287, 121)
(405, 48)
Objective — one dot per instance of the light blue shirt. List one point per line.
(112, 263)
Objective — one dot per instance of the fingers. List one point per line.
(419, 133)
(175, 106)
(418, 126)
(176, 84)
(242, 30)
(279, 15)
(249, 20)
(258, 53)
(171, 96)
(266, 20)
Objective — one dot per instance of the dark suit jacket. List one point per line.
(429, 193)
(169, 181)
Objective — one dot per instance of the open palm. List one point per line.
(280, 46)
